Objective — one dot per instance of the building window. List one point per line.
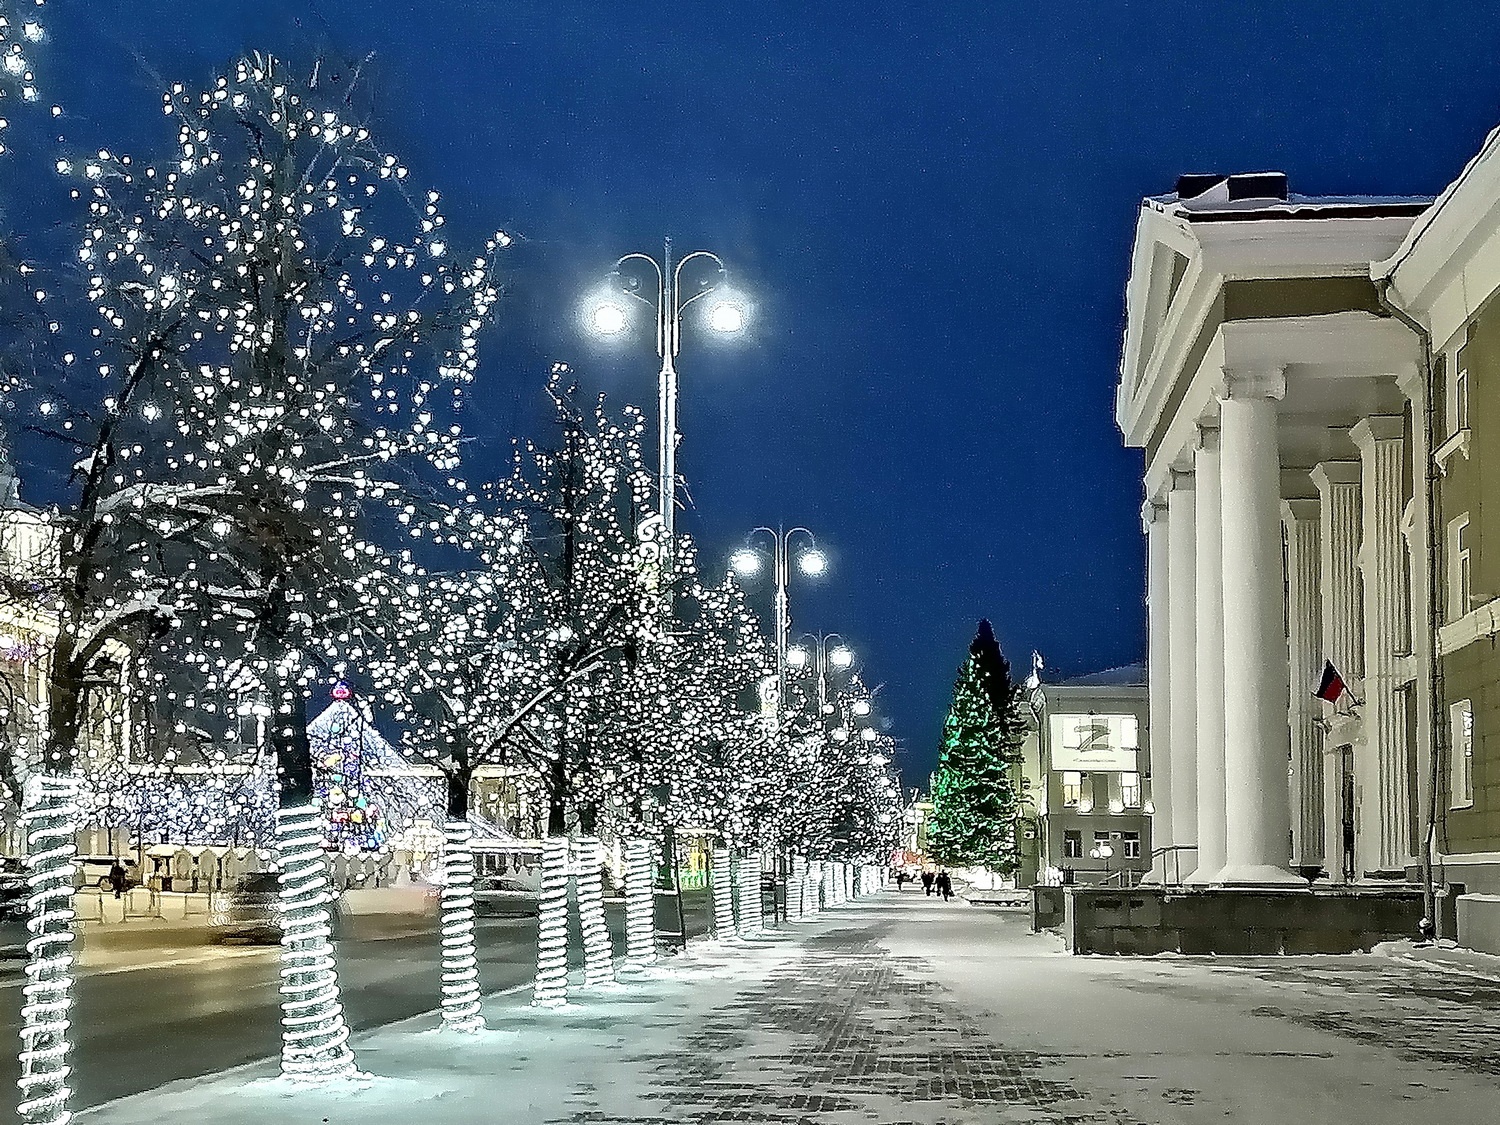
(1461, 763)
(1072, 788)
(1130, 732)
(1460, 586)
(1072, 844)
(1130, 790)
(1458, 417)
(1132, 844)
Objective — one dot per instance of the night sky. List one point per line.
(932, 205)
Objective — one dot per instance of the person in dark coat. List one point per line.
(117, 880)
(927, 881)
(945, 885)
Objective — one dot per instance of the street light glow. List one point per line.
(608, 318)
(746, 563)
(796, 656)
(812, 562)
(861, 707)
(841, 657)
(727, 317)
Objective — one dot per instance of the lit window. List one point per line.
(1072, 788)
(1132, 843)
(1130, 790)
(1461, 763)
(1460, 587)
(1072, 844)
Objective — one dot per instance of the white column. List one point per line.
(1258, 821)
(1299, 519)
(1209, 678)
(1385, 844)
(1158, 672)
(1338, 569)
(1182, 624)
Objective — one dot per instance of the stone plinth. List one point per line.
(1046, 908)
(1150, 920)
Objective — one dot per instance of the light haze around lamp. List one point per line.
(746, 563)
(812, 562)
(841, 657)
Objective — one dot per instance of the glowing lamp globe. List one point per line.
(608, 318)
(841, 657)
(796, 656)
(745, 563)
(812, 562)
(861, 707)
(726, 317)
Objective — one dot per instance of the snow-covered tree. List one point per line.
(295, 334)
(974, 790)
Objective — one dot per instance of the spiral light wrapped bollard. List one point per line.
(833, 884)
(814, 888)
(50, 819)
(723, 894)
(598, 954)
(460, 968)
(314, 1036)
(749, 893)
(551, 989)
(796, 892)
(846, 882)
(640, 924)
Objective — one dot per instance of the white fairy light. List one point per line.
(640, 941)
(598, 958)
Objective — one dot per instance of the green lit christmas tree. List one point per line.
(974, 790)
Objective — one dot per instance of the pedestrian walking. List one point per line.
(945, 885)
(117, 878)
(927, 881)
(900, 879)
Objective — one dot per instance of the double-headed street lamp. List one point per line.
(608, 314)
(749, 560)
(827, 650)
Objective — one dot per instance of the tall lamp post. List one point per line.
(827, 650)
(750, 559)
(608, 314)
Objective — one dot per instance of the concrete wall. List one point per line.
(1479, 922)
(1148, 921)
(1047, 907)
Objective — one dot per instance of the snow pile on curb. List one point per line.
(1443, 955)
(525, 1067)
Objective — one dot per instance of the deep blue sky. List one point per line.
(933, 205)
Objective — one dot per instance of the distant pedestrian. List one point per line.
(117, 879)
(945, 885)
(900, 879)
(927, 881)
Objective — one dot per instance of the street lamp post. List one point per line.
(839, 657)
(811, 561)
(608, 316)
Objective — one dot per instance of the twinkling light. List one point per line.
(598, 955)
(640, 936)
(315, 1036)
(723, 893)
(551, 989)
(460, 966)
(50, 820)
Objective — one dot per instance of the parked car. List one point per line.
(251, 911)
(499, 896)
(93, 871)
(13, 912)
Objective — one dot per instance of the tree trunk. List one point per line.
(50, 823)
(598, 953)
(640, 927)
(723, 894)
(551, 989)
(314, 1036)
(460, 963)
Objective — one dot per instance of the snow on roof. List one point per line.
(1127, 675)
(339, 717)
(1263, 195)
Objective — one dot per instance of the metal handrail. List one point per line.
(1176, 880)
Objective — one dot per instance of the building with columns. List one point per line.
(1272, 392)
(1443, 278)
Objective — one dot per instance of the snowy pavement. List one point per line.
(906, 1009)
